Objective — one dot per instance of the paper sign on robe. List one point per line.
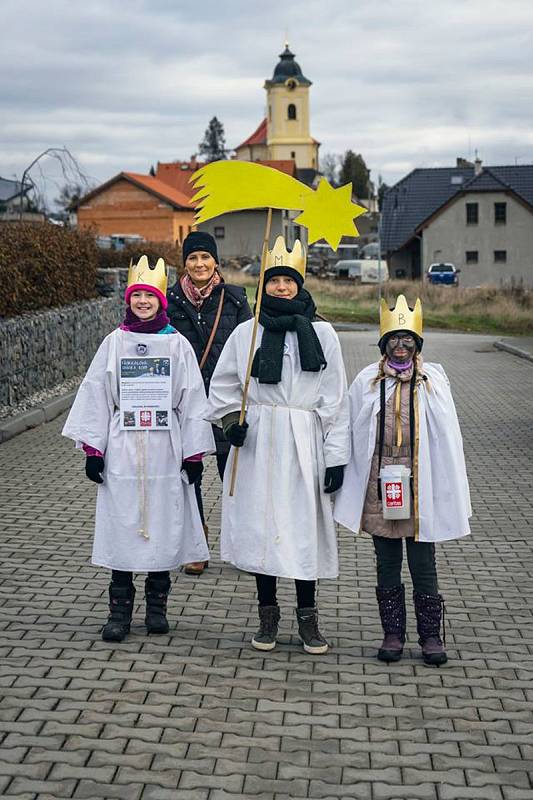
(145, 394)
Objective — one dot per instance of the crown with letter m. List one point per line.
(279, 256)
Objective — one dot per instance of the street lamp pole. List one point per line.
(379, 258)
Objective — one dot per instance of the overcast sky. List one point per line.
(123, 85)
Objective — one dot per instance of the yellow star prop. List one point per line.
(225, 186)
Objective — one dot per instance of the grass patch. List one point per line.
(489, 309)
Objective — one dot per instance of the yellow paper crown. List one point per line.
(401, 317)
(142, 272)
(279, 256)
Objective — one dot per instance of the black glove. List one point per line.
(94, 465)
(193, 469)
(334, 478)
(236, 434)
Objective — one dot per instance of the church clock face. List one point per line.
(291, 84)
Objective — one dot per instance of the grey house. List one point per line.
(479, 218)
(241, 233)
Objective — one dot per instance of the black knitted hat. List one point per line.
(199, 241)
(271, 272)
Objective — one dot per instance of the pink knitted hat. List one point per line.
(145, 287)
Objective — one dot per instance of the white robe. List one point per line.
(443, 494)
(280, 521)
(143, 466)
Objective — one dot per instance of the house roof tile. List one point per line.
(422, 192)
(156, 187)
(259, 136)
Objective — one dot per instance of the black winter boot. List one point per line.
(265, 638)
(391, 604)
(121, 600)
(429, 611)
(312, 639)
(156, 590)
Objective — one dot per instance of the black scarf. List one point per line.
(277, 316)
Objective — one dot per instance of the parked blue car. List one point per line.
(444, 273)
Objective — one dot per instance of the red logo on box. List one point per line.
(146, 419)
(393, 494)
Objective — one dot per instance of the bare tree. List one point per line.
(70, 170)
(330, 166)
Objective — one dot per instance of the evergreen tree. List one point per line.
(213, 146)
(152, 171)
(355, 171)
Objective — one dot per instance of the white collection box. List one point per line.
(396, 491)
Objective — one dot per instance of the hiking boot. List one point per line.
(391, 604)
(312, 639)
(265, 638)
(429, 609)
(156, 591)
(118, 624)
(197, 567)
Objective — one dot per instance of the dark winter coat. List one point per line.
(196, 326)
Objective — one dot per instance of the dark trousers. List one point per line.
(266, 591)
(221, 465)
(420, 558)
(126, 578)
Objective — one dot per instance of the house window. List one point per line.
(500, 213)
(291, 111)
(220, 231)
(472, 256)
(293, 153)
(472, 213)
(500, 256)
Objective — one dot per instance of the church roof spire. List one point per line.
(287, 67)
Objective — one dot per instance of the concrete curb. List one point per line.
(516, 351)
(45, 412)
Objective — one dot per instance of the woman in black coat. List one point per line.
(198, 301)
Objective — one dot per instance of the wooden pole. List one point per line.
(252, 346)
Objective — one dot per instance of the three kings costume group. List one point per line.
(303, 428)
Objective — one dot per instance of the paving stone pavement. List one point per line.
(199, 715)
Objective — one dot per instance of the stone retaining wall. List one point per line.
(41, 350)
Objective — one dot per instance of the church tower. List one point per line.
(288, 134)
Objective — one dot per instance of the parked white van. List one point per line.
(361, 270)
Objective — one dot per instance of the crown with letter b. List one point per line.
(400, 318)
(142, 273)
(279, 256)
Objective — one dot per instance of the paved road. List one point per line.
(199, 715)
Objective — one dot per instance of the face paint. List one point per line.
(401, 348)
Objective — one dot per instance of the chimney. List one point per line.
(477, 166)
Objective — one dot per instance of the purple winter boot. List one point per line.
(391, 603)
(429, 610)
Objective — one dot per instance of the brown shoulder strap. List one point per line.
(213, 330)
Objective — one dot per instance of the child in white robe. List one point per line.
(403, 415)
(147, 518)
(293, 447)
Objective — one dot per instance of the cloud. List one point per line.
(405, 82)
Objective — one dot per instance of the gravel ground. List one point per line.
(39, 398)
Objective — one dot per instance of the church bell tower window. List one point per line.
(291, 111)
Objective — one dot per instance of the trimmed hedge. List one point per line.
(154, 250)
(45, 266)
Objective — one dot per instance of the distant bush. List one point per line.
(44, 266)
(154, 250)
